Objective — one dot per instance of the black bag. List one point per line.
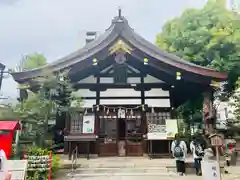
(178, 151)
(199, 150)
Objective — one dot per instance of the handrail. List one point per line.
(74, 159)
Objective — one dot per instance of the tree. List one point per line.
(208, 37)
(31, 61)
(235, 104)
(55, 95)
(32, 113)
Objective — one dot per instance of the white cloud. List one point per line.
(56, 27)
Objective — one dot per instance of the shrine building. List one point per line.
(130, 88)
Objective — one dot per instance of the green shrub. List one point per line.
(55, 165)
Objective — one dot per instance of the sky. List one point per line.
(56, 28)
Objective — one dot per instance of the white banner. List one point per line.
(88, 123)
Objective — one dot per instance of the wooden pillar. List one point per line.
(142, 91)
(143, 120)
(97, 119)
(208, 112)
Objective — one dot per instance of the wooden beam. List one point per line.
(137, 86)
(129, 75)
(129, 97)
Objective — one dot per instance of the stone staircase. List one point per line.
(128, 168)
(122, 168)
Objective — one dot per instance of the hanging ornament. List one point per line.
(215, 84)
(94, 61)
(178, 75)
(153, 110)
(131, 112)
(143, 108)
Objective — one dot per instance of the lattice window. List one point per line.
(158, 118)
(76, 123)
(108, 127)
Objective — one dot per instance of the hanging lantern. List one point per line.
(178, 75)
(145, 61)
(94, 61)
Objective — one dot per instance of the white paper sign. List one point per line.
(17, 168)
(157, 135)
(211, 170)
(88, 123)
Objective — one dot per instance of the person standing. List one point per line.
(179, 151)
(198, 152)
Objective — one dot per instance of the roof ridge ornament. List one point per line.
(120, 46)
(119, 12)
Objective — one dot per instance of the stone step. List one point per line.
(75, 175)
(114, 169)
(121, 164)
(90, 172)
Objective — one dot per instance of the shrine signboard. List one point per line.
(211, 170)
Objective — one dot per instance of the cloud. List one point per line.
(57, 27)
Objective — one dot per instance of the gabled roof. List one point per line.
(119, 29)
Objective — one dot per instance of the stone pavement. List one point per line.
(129, 168)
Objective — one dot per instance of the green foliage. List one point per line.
(32, 61)
(235, 103)
(208, 37)
(7, 113)
(55, 165)
(55, 95)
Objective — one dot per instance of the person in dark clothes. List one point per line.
(197, 149)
